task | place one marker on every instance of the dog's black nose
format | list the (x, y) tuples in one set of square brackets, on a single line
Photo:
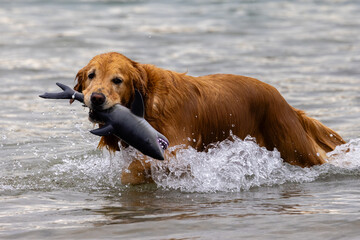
[(97, 99)]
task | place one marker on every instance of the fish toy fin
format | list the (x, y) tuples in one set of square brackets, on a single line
[(103, 131), (137, 106)]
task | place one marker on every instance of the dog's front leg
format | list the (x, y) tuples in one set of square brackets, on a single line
[(137, 172)]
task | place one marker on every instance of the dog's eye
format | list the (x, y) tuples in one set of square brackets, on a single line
[(117, 80), (91, 75)]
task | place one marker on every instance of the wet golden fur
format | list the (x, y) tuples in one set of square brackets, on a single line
[(205, 109)]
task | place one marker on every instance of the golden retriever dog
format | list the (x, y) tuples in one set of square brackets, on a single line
[(198, 111)]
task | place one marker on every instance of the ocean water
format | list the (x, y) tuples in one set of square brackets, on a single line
[(55, 184)]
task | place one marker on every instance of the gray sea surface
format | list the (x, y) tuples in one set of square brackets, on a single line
[(55, 184)]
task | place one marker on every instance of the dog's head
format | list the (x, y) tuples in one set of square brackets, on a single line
[(109, 79)]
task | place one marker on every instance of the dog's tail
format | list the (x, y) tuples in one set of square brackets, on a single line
[(325, 139), (306, 141)]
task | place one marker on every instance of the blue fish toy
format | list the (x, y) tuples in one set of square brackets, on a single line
[(127, 124)]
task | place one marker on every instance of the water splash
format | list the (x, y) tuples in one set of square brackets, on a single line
[(238, 165), (347, 155), (229, 166)]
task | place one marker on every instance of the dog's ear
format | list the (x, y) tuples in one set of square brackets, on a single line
[(80, 81)]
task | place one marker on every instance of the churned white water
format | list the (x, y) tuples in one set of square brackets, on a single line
[(229, 166), (239, 165)]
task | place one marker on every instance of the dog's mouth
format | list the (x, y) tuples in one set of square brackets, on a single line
[(164, 144), (95, 118), (93, 110)]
